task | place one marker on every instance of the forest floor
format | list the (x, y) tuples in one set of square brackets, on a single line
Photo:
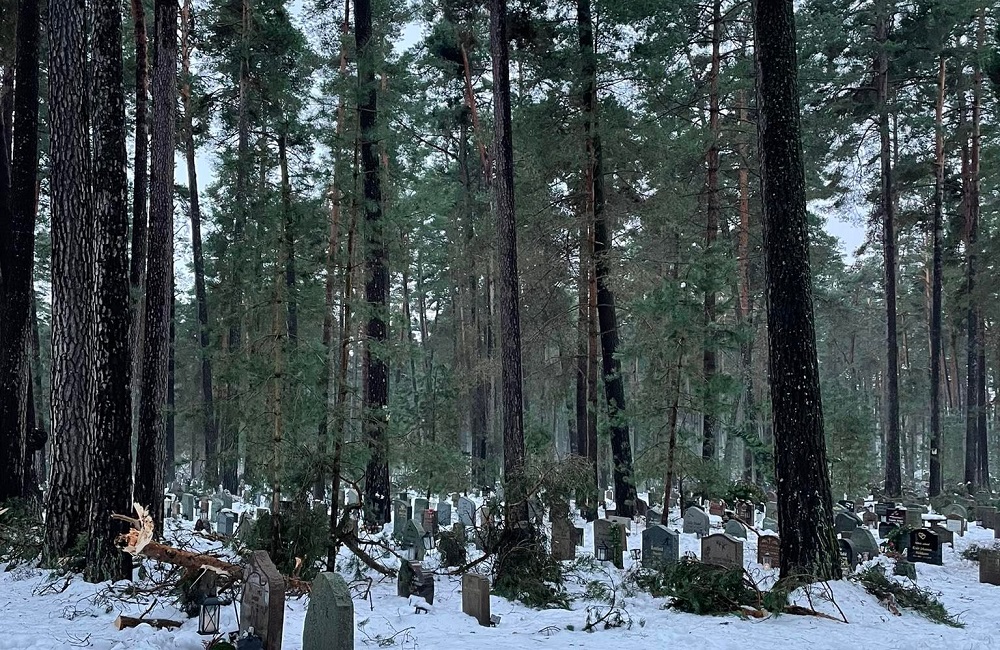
[(38, 611)]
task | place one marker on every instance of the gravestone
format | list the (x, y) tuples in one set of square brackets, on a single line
[(956, 524), (414, 581), (882, 509), (769, 550), (559, 510), (330, 618), (624, 522), (451, 546), (429, 522), (225, 523), (896, 516), (925, 546), (864, 543), (981, 515), (476, 597), (945, 535), (722, 550), (734, 528), (771, 510), (886, 529), (845, 522), (351, 497), (769, 524), (869, 519), (176, 509), (717, 507), (413, 540), (848, 554), (400, 515), (443, 514), (989, 517), (653, 517), (641, 507), (466, 511), (914, 518), (419, 505), (660, 545), (848, 504), (187, 506), (955, 509), (989, 566), (610, 513), (609, 542), (745, 511), (696, 521), (563, 542), (262, 606)]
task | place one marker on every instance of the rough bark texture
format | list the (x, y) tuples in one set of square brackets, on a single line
[(17, 245), (614, 384), (805, 514), (893, 475), (936, 287), (376, 375), (508, 291), (111, 479), (159, 267), (68, 497), (978, 341), (210, 471)]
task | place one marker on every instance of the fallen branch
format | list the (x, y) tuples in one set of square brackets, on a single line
[(123, 622)]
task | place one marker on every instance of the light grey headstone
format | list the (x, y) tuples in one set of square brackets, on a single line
[(660, 545), (769, 524), (466, 511), (329, 621), (262, 605), (624, 522), (476, 597), (696, 521), (351, 497), (722, 550)]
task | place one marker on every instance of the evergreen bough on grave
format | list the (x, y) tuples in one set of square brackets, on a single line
[(923, 601), (20, 533), (304, 534), (699, 588), (971, 552), (527, 572), (744, 491)]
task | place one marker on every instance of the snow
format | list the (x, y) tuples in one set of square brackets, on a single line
[(33, 616)]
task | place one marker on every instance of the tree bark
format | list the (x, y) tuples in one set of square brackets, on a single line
[(614, 386), (805, 513), (936, 286), (210, 470), (111, 479), (508, 283), (159, 268), (376, 375), (17, 248), (982, 441), (68, 497), (291, 305)]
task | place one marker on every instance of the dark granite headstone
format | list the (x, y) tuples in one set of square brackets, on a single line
[(845, 522), (722, 550), (443, 514), (734, 528), (262, 606), (769, 550), (848, 554), (329, 621), (429, 521), (745, 511), (848, 505), (401, 514), (989, 566), (864, 543), (925, 546), (476, 597), (563, 543), (896, 516), (610, 541), (653, 517), (660, 545), (945, 535), (412, 580)]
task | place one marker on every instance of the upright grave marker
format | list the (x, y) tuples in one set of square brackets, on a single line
[(696, 521), (989, 566), (262, 606), (329, 621), (722, 550), (769, 550), (476, 597), (660, 545), (925, 546)]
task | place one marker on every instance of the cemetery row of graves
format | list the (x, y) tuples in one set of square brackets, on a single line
[(451, 537)]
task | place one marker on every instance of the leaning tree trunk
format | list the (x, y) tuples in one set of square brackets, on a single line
[(111, 478), (72, 231), (614, 385), (508, 311), (936, 287), (159, 268), (805, 510), (376, 377), (17, 247), (893, 475)]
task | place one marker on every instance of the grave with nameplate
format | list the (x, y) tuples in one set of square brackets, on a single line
[(722, 550), (429, 522), (476, 597), (896, 516), (262, 605), (466, 511), (989, 566), (745, 512), (956, 524), (769, 550), (609, 542), (401, 514), (771, 510), (696, 521), (660, 545), (848, 554), (735, 529), (329, 623), (716, 507), (925, 546), (443, 513)]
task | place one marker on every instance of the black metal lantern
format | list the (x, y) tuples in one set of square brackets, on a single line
[(428, 540), (208, 622), (602, 553)]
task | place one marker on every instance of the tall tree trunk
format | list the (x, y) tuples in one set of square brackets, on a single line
[(805, 510), (614, 386), (140, 192), (169, 430), (111, 478), (279, 327), (291, 305), (17, 253), (975, 311), (668, 479), (972, 313), (38, 394), (210, 470), (709, 361), (508, 289), (159, 267), (936, 286), (376, 375), (744, 314), (68, 497), (893, 475)]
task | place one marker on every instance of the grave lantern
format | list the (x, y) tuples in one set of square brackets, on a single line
[(428, 540), (636, 554), (602, 552), (208, 622)]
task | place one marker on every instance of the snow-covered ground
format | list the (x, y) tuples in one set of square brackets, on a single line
[(35, 614)]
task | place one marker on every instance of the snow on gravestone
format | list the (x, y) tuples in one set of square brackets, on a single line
[(734, 528), (330, 618), (696, 521), (476, 597), (660, 545), (769, 550), (925, 546), (722, 550), (262, 606)]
